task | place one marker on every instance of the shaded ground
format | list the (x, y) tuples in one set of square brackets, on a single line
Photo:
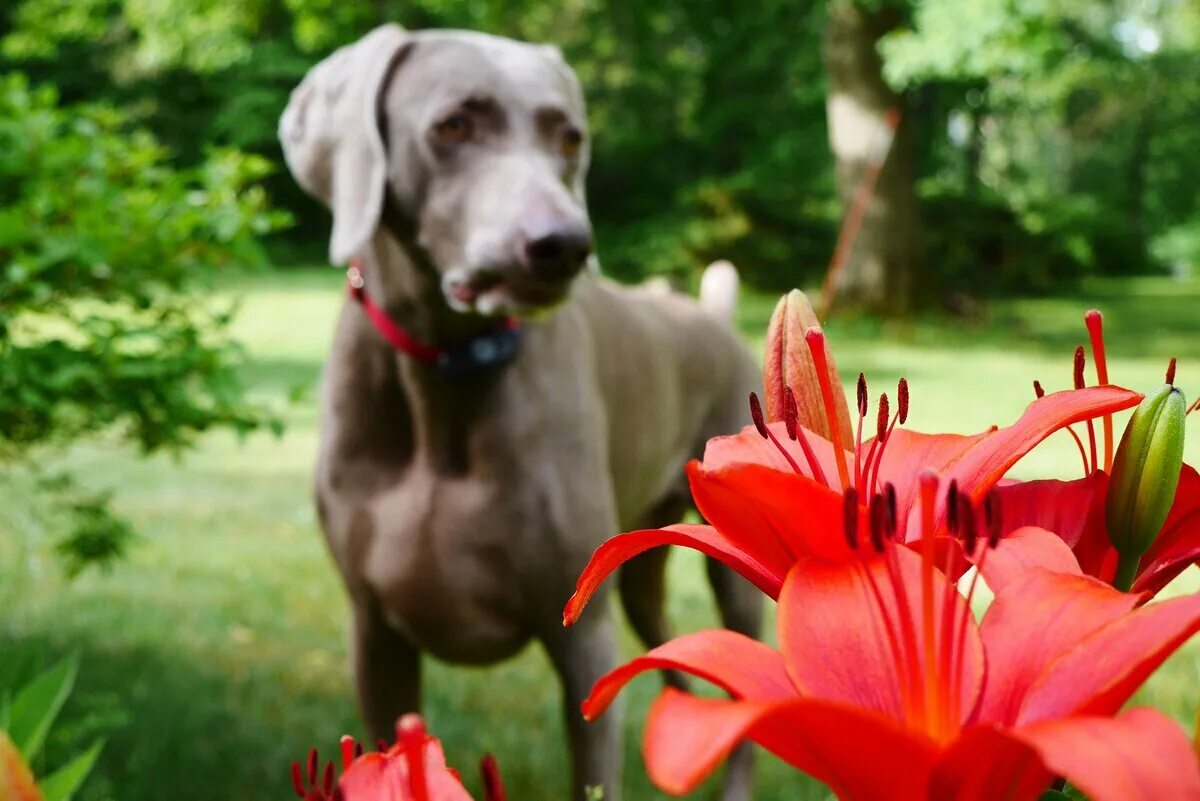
[(217, 653)]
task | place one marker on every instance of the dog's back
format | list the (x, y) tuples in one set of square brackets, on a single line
[(673, 373)]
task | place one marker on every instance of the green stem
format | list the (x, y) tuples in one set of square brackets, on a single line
[(1127, 567)]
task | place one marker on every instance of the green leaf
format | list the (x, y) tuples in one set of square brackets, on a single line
[(35, 706), (62, 784)]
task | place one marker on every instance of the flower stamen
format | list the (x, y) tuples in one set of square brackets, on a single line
[(791, 417), (1080, 383), (410, 734), (756, 414)]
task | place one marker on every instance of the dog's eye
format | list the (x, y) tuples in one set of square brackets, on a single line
[(572, 141), (455, 128)]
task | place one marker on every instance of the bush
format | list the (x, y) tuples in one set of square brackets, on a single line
[(102, 244)]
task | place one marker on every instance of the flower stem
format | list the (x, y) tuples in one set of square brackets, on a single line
[(1127, 566)]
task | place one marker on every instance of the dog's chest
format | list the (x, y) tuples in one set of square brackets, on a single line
[(459, 563)]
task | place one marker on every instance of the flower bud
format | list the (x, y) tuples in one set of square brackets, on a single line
[(788, 362), (1146, 472)]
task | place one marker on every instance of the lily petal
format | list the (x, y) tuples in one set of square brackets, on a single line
[(774, 516), (1034, 620), (836, 622), (386, 777), (1023, 550), (1178, 546), (740, 665), (1107, 666), (16, 780), (977, 463), (623, 547), (1064, 507), (748, 447), (986, 763), (688, 737), (1140, 756)]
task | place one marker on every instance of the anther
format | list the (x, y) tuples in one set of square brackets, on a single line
[(298, 780), (1080, 363), (493, 787), (952, 506), (902, 400), (327, 778), (850, 518), (862, 395), (878, 513), (791, 414), (756, 414), (1171, 372), (992, 515), (881, 419), (1037, 389), (313, 764), (970, 532), (889, 495)]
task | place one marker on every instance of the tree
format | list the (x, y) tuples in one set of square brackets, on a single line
[(882, 267)]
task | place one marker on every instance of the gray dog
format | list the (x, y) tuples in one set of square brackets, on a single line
[(469, 463)]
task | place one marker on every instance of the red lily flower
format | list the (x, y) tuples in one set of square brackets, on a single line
[(414, 769), (885, 687), (1075, 510), (773, 493)]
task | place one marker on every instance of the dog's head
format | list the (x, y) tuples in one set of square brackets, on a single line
[(481, 144)]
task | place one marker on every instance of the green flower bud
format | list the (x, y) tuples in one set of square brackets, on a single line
[(1144, 477)]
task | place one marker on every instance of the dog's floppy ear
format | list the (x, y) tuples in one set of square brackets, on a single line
[(331, 139)]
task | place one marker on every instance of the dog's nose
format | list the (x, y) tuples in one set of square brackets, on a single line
[(559, 253)]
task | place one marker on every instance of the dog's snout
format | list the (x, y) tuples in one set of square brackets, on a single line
[(560, 252)]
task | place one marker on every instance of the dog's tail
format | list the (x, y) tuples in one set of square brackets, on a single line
[(719, 290)]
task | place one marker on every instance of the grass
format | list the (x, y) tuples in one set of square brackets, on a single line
[(217, 653)]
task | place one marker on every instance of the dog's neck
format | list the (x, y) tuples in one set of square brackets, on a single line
[(443, 412)]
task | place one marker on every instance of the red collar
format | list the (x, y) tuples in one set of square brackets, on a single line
[(461, 358)]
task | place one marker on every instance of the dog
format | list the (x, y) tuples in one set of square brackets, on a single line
[(492, 409)]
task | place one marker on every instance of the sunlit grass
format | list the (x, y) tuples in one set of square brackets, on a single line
[(217, 653)]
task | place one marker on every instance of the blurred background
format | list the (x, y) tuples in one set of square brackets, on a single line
[(1001, 166)]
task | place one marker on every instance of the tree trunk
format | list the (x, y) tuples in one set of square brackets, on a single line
[(882, 268)]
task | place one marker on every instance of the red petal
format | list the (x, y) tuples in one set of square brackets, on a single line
[(980, 468), (772, 515), (987, 763), (1140, 756), (385, 777), (979, 462), (906, 453), (1178, 546), (1032, 622), (743, 667), (623, 547), (832, 631), (1106, 667), (1064, 507), (688, 737), (748, 447), (1023, 550)]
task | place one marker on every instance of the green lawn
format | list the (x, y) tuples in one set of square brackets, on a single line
[(217, 653)]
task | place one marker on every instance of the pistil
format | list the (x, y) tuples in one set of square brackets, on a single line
[(815, 338), (1095, 326)]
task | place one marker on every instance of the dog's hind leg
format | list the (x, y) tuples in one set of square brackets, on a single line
[(387, 671), (581, 655)]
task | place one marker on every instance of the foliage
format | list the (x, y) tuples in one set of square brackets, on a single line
[(102, 245), (30, 703)]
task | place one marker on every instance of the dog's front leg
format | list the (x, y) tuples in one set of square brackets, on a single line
[(581, 655), (387, 671)]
